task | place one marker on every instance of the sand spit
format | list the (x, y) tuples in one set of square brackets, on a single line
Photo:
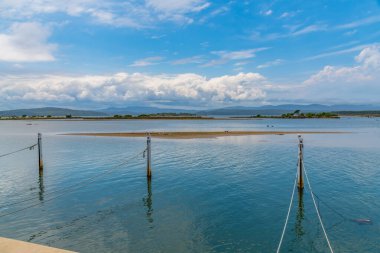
[(194, 135)]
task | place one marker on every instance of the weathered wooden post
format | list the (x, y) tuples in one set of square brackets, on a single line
[(148, 157), (40, 161), (300, 163)]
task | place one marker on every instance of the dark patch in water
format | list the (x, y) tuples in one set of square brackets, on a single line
[(362, 221)]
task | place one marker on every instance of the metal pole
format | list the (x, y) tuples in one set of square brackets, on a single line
[(300, 163), (40, 161), (148, 157)]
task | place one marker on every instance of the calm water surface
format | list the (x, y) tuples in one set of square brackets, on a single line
[(228, 194)]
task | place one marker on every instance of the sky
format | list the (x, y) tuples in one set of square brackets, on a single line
[(188, 53)]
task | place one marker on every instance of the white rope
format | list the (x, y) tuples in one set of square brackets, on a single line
[(316, 208), (13, 152), (287, 217)]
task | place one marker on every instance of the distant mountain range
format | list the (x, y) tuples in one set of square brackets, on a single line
[(137, 110), (226, 111), (286, 108), (53, 111)]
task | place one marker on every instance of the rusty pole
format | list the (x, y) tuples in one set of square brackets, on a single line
[(40, 160)]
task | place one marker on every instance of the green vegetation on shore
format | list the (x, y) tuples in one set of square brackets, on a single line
[(161, 116), (114, 117), (297, 114), (359, 113)]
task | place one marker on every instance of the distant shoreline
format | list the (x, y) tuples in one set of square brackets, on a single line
[(197, 134), (226, 117), (155, 118)]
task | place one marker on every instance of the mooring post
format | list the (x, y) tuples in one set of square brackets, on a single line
[(40, 161), (148, 157), (300, 163)]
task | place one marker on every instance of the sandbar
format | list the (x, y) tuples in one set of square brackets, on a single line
[(199, 134)]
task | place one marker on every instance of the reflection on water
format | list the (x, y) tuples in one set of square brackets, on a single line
[(148, 201), (211, 195), (300, 216), (41, 185)]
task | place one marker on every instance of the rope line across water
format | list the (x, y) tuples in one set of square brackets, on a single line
[(19, 150), (287, 216), (317, 210)]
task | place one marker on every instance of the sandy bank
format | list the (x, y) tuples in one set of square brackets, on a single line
[(15, 246), (193, 135)]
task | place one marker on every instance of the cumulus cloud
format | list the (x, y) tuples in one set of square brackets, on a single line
[(358, 83), (369, 57), (332, 74), (367, 69), (131, 88), (26, 42)]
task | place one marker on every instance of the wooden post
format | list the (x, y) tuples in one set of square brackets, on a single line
[(148, 158), (300, 163), (40, 161)]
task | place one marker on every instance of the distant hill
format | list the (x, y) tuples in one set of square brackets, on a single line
[(271, 110), (53, 111), (137, 110), (268, 110)]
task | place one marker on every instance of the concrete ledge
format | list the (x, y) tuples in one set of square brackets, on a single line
[(14, 246)]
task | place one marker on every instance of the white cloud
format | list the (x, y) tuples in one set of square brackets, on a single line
[(367, 69), (26, 42), (293, 31), (178, 6), (128, 13), (361, 22), (238, 55), (288, 14), (297, 30), (309, 29), (338, 52), (147, 61), (137, 87), (189, 60), (28, 8), (270, 64), (350, 33), (266, 12), (226, 56), (354, 84), (369, 57), (332, 74)]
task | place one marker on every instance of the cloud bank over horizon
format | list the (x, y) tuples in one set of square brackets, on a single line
[(187, 53), (332, 83)]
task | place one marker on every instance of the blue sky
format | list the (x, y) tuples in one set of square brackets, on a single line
[(188, 53)]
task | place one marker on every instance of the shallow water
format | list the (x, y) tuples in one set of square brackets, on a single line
[(227, 194)]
